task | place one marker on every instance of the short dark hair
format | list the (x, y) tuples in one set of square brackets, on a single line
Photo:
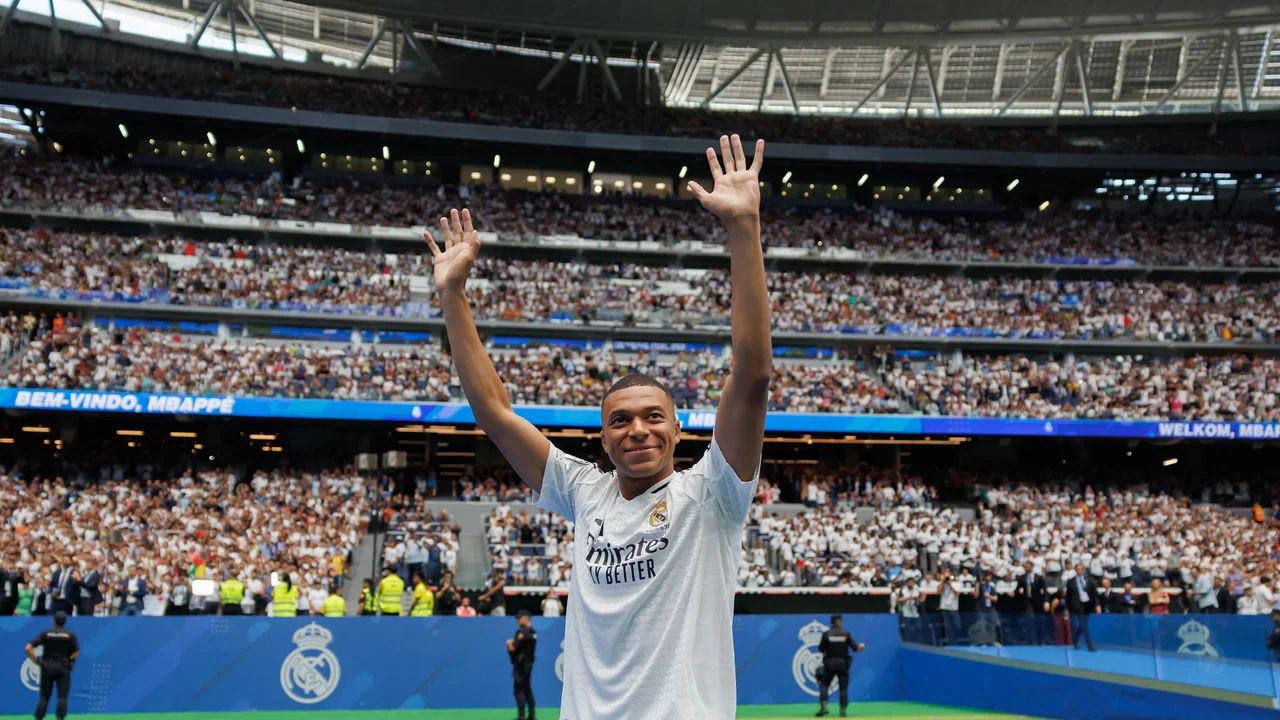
[(637, 380), (59, 619)]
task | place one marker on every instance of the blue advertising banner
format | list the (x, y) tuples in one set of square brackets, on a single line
[(218, 664), (589, 417)]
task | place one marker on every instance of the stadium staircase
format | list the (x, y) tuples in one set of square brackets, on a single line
[(362, 566), (908, 403), (473, 558), (15, 352)]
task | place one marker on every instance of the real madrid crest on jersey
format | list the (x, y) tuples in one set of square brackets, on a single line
[(659, 516), (311, 672), (807, 662), (29, 674)]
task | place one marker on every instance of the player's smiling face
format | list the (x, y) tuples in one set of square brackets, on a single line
[(640, 432)]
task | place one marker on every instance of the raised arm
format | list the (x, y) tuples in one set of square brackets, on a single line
[(520, 442), (735, 199)]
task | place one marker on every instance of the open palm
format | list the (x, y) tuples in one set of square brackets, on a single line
[(461, 243), (736, 192)]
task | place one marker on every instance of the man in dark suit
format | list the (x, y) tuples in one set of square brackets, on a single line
[(135, 591), (1106, 597), (11, 577), (62, 589), (1082, 601), (1226, 598), (1126, 602), (89, 594), (1034, 595)]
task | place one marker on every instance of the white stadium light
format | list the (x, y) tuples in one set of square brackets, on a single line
[(863, 180), (124, 131), (497, 160), (301, 147), (386, 153), (787, 178), (938, 183), (684, 170), (212, 140), (1044, 206), (1170, 461), (1012, 185), (591, 167)]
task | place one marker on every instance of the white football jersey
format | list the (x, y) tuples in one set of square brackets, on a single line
[(649, 631)]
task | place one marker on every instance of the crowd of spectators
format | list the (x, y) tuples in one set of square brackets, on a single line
[(176, 271), (145, 535), (530, 546), (867, 528), (63, 354), (1131, 534), (1056, 237), (272, 88), (1228, 388)]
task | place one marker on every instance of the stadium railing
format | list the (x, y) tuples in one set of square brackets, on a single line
[(1216, 651)]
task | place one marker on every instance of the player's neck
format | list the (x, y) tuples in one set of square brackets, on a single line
[(633, 487)]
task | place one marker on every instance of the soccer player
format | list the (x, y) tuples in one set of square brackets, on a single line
[(649, 629)]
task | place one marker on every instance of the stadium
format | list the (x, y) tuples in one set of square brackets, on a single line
[(994, 312)]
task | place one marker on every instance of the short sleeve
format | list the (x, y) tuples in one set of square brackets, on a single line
[(730, 496), (39, 641), (561, 480)]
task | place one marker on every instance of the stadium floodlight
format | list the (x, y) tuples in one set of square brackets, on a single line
[(212, 140), (301, 147), (1012, 185), (497, 160), (863, 180), (1171, 461), (938, 183), (386, 153), (124, 131), (591, 167), (787, 178), (684, 170), (1044, 206)]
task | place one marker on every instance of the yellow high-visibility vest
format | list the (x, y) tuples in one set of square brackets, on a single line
[(390, 592), (285, 601), (424, 602), (335, 606), (232, 592)]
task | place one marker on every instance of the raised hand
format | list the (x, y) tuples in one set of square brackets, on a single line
[(461, 243), (736, 193)]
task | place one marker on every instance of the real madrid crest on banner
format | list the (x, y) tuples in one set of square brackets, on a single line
[(1195, 641), (807, 662), (311, 672), (984, 633), (30, 672)]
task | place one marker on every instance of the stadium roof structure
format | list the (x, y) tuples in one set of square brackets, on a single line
[(919, 58)]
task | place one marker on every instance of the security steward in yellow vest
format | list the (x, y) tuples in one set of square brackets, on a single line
[(368, 601), (285, 598), (232, 591), (390, 593), (424, 601), (334, 605)]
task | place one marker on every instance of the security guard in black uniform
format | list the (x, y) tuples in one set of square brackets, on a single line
[(835, 646), (60, 652), (521, 648)]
